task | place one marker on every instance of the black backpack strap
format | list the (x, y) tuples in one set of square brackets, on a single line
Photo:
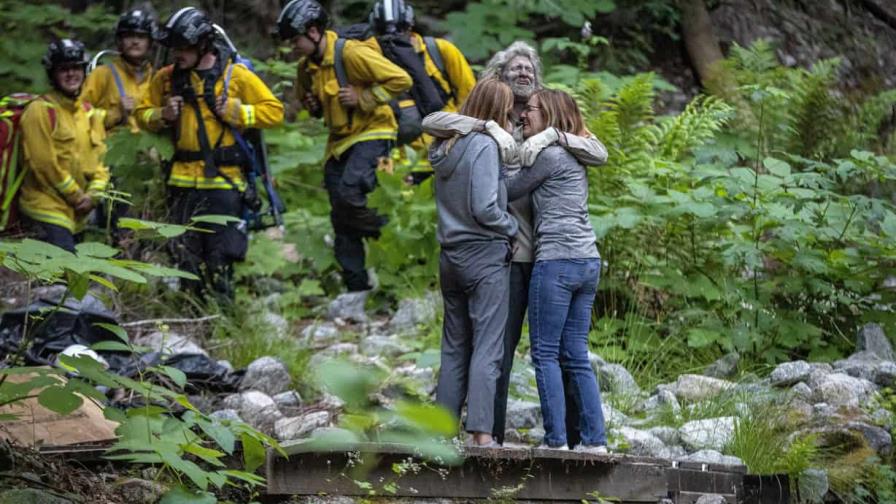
[(432, 47), (339, 63)]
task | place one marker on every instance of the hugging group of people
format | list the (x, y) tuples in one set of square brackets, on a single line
[(512, 196)]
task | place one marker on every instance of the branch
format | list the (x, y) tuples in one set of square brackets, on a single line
[(199, 320)]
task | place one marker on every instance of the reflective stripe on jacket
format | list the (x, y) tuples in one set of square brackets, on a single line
[(259, 109)]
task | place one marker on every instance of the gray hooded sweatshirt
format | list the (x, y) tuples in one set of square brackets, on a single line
[(470, 196)]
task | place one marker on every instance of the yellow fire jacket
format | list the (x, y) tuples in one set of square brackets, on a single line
[(101, 90), (378, 81), (258, 108), (63, 151)]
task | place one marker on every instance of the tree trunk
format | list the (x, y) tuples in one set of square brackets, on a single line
[(704, 51)]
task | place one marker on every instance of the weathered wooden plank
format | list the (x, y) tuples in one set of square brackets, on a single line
[(522, 474)]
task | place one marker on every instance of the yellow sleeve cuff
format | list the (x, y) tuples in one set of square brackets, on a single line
[(380, 93), (97, 186), (248, 115), (67, 186)]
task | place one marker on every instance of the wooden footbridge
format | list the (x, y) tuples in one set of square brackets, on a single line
[(515, 474)]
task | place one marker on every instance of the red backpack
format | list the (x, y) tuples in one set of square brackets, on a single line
[(12, 173)]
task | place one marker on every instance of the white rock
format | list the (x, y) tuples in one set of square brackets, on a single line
[(414, 312), (385, 346), (259, 410), (885, 374), (349, 306), (643, 443), (268, 375), (226, 414), (813, 485), (711, 499), (801, 391), (614, 417), (523, 414), (691, 387), (711, 433), (704, 457), (788, 373), (300, 427), (616, 379), (839, 389), (323, 332), (871, 338), (661, 401), (288, 399), (170, 343)]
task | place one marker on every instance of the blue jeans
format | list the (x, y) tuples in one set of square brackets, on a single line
[(561, 295)]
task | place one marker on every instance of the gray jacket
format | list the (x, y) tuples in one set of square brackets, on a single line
[(559, 187), (588, 151), (470, 196)]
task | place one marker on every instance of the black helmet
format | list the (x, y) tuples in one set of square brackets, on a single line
[(136, 21), (390, 15), (65, 52), (298, 15), (186, 27)]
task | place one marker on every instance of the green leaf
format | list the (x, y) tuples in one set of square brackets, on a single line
[(253, 452), (776, 167), (699, 337), (181, 495), (110, 346), (176, 375), (59, 399), (214, 219), (213, 457), (429, 418), (97, 250), (115, 329), (220, 434)]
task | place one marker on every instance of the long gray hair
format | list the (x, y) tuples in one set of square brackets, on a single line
[(495, 66)]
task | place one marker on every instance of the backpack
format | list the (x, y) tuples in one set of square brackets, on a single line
[(12, 173), (427, 95), (249, 145)]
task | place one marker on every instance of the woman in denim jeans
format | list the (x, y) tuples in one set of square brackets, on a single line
[(565, 275)]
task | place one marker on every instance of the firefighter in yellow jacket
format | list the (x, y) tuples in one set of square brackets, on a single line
[(118, 86), (361, 123), (63, 145), (203, 98), (444, 63)]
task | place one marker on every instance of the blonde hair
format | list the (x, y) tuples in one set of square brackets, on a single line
[(561, 111), (490, 100)]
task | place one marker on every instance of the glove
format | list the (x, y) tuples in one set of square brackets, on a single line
[(230, 109), (533, 146), (506, 144)]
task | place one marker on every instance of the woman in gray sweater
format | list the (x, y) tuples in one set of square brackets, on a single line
[(565, 275), (474, 232)]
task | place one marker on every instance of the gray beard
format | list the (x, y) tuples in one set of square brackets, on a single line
[(523, 91)]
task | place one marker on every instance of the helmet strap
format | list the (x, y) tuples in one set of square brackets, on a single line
[(318, 55)]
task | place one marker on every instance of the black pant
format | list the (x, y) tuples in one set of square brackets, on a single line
[(348, 181), (53, 234), (208, 255), (520, 274)]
